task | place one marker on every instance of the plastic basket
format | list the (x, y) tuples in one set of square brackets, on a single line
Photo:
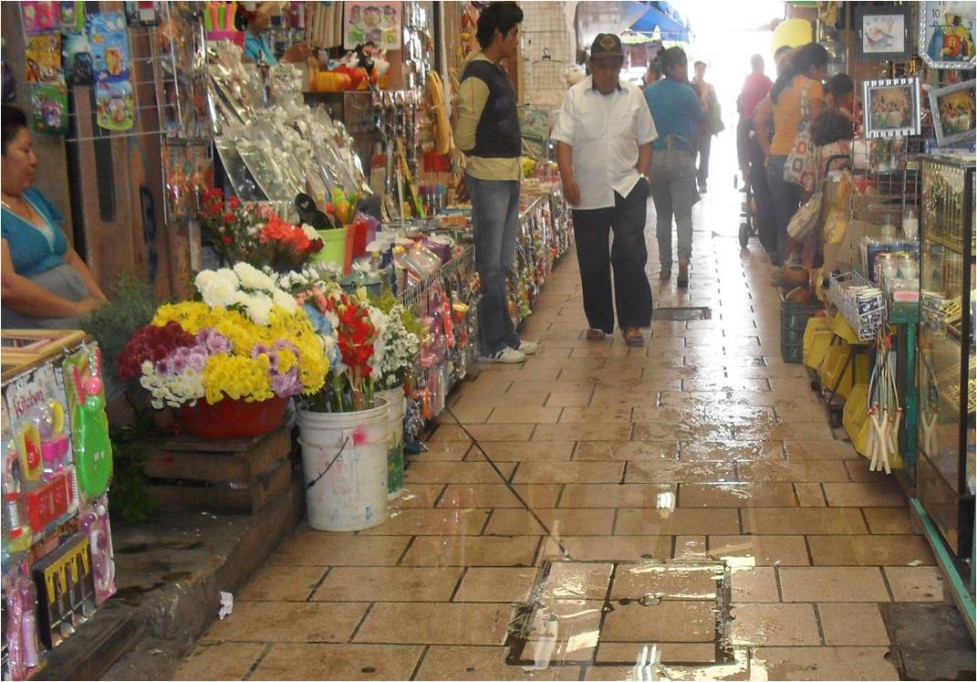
[(793, 323)]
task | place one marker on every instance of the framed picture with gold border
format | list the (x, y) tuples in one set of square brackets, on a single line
[(891, 107)]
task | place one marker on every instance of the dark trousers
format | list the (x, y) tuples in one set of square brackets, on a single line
[(628, 255), (765, 219)]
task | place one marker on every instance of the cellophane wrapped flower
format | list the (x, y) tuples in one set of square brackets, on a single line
[(247, 340), (399, 343), (254, 234)]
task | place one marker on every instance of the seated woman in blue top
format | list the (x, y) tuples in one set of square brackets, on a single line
[(678, 117), (257, 43), (44, 284)]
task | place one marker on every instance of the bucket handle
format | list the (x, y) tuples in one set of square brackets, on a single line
[(333, 461), (329, 466)]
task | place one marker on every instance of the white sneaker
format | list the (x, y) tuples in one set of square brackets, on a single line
[(528, 347), (507, 356)]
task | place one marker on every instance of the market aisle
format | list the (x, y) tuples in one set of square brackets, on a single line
[(618, 488)]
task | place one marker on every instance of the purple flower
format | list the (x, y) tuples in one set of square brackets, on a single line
[(287, 384), (214, 341)]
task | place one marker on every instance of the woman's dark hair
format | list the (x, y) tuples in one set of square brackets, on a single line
[(13, 120), (831, 126), (810, 55), (498, 15), (671, 58), (840, 85)]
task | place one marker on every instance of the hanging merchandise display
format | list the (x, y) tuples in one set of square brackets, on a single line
[(49, 94), (115, 105)]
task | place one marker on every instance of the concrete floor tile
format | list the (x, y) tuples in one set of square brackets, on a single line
[(569, 399), (869, 550), (810, 495), (677, 522), (754, 585), (569, 472), (816, 449), (736, 495), (671, 652), (574, 580), (426, 623), (558, 522), (312, 548), (626, 450), (673, 581), (457, 472), (523, 414), (803, 521), (483, 663), (518, 452), (765, 550), (442, 521), (680, 472), (502, 432), (496, 495), (493, 584), (915, 583), (825, 663), (889, 520), (417, 496), (443, 451), (833, 584), (220, 661), (665, 621), (388, 583), (565, 432), (282, 583), (449, 432), (805, 471), (774, 625), (879, 494), (725, 450), (262, 622), (610, 414), (847, 624), (602, 496), (471, 551), (338, 662), (631, 548)]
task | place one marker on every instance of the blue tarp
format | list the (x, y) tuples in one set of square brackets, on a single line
[(666, 18)]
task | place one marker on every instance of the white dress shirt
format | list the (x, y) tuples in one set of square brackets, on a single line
[(605, 132)]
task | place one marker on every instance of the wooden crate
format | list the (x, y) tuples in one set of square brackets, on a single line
[(234, 476)]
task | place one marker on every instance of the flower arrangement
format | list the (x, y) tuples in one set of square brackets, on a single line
[(247, 339), (400, 341), (255, 234)]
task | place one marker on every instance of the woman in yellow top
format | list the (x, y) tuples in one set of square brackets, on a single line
[(801, 79)]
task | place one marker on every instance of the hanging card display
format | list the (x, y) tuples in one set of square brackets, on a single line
[(78, 65), (43, 58), (110, 46), (49, 109), (89, 425), (373, 22), (72, 17), (114, 106), (41, 17)]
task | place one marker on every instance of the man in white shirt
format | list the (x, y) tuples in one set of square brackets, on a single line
[(604, 133)]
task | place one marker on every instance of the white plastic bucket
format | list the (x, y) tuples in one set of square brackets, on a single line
[(344, 457), (397, 404)]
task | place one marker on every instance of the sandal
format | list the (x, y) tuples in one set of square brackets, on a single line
[(595, 334), (633, 337), (666, 274)]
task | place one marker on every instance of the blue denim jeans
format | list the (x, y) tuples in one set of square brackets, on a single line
[(673, 190), (495, 221), (786, 198)]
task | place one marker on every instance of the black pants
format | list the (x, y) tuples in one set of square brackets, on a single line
[(628, 255), (765, 218)]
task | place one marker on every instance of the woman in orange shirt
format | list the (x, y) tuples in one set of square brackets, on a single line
[(802, 79)]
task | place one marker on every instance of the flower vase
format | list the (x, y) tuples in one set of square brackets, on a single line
[(230, 418), (397, 404), (344, 457)]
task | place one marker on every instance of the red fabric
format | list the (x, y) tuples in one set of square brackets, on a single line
[(755, 87)]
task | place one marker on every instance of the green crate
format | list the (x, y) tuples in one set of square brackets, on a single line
[(793, 322)]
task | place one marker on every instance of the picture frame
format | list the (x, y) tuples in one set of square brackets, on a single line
[(891, 107), (883, 32), (946, 34), (954, 110)]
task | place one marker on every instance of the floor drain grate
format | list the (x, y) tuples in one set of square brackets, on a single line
[(602, 613), (683, 314)]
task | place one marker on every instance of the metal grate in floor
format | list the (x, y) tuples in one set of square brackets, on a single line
[(683, 314)]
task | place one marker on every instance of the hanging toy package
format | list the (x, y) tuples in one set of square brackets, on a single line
[(110, 53), (49, 95), (89, 424)]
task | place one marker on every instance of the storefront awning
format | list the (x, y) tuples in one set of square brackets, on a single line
[(664, 18)]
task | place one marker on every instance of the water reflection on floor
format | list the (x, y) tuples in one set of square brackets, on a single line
[(600, 502)]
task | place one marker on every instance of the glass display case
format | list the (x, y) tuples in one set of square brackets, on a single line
[(946, 362)]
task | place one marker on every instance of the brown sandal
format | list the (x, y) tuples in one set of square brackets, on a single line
[(633, 337), (595, 334)]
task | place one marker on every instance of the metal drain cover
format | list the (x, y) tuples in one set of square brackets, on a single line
[(682, 314)]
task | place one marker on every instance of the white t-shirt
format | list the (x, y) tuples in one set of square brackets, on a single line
[(605, 132)]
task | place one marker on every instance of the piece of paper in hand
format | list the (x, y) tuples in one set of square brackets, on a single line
[(227, 605)]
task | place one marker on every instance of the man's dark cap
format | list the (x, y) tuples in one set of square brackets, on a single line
[(606, 45)]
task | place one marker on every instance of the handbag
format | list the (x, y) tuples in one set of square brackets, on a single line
[(801, 167), (716, 118), (805, 220)]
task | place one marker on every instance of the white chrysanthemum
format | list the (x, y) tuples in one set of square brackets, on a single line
[(284, 301), (258, 308), (217, 288), (252, 278)]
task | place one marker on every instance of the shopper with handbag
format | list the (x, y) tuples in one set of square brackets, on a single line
[(797, 98)]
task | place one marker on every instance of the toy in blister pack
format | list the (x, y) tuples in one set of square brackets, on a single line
[(89, 424), (17, 536), (41, 17), (177, 199), (73, 17), (78, 65), (42, 56), (114, 105), (49, 109), (110, 46), (20, 630), (142, 13), (95, 524)]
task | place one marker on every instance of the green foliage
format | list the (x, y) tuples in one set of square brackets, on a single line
[(131, 305), (129, 499)]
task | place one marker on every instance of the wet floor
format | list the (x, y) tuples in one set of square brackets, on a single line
[(682, 510)]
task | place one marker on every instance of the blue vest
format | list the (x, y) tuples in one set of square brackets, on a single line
[(497, 134)]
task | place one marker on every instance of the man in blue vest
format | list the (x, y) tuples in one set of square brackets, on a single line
[(487, 131)]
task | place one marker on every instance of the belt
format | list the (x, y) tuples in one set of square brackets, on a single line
[(672, 143)]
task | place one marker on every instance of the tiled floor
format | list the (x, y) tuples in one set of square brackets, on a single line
[(688, 494)]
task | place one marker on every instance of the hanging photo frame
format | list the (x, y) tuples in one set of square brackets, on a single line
[(891, 107), (946, 34), (883, 32), (953, 110)]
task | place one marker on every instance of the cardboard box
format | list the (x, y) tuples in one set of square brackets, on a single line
[(845, 254)]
